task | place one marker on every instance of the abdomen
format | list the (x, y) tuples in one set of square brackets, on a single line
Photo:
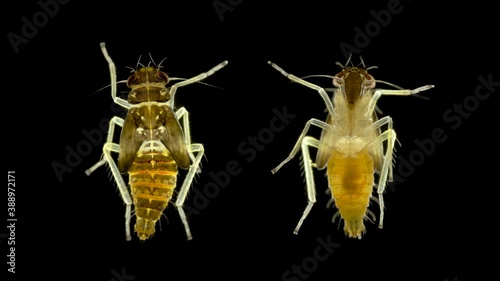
[(152, 179), (351, 182)]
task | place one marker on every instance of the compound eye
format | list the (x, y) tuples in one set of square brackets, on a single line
[(369, 82), (132, 79), (162, 76), (338, 81)]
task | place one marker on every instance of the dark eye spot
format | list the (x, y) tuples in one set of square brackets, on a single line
[(132, 79), (162, 76)]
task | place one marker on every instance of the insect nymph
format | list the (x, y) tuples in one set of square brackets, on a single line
[(351, 146), (153, 145)]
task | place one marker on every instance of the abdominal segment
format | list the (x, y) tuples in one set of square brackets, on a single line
[(152, 181), (351, 182)]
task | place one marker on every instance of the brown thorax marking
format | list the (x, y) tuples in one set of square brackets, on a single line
[(148, 84)]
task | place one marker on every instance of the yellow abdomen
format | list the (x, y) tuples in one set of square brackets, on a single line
[(351, 182), (152, 181)]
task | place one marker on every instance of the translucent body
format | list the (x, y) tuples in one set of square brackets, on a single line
[(352, 147), (347, 147)]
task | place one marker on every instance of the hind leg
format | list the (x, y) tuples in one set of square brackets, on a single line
[(308, 171), (181, 197), (388, 136), (183, 114)]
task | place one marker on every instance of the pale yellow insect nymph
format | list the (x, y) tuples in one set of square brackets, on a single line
[(351, 146)]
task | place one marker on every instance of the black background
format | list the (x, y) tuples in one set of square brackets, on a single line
[(438, 221)]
